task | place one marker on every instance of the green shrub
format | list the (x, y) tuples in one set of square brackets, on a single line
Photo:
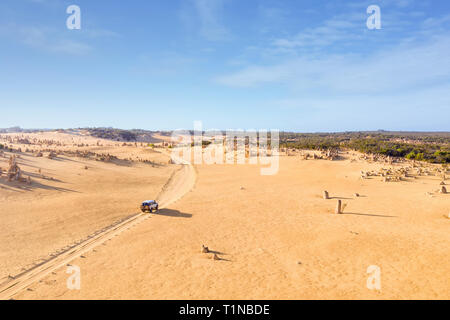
[(420, 157), (411, 155)]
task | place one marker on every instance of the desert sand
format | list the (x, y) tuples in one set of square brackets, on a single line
[(275, 236)]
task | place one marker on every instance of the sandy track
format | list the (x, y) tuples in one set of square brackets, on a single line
[(180, 183)]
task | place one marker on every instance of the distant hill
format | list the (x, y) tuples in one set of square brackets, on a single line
[(19, 129), (135, 135)]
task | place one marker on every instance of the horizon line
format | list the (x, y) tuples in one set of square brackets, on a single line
[(171, 130)]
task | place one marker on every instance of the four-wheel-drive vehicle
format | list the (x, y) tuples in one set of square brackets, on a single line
[(149, 206)]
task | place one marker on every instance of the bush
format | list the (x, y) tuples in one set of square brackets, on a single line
[(442, 156), (420, 157), (411, 155)]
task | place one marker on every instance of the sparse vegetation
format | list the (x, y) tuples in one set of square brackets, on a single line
[(135, 135), (415, 146), (113, 134), (204, 143)]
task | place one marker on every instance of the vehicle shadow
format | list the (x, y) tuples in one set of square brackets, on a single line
[(173, 213)]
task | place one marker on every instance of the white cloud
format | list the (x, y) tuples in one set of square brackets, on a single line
[(209, 12), (337, 29), (45, 39), (401, 68), (308, 61), (56, 41), (206, 16), (436, 23)]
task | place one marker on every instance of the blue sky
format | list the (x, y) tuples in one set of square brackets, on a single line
[(296, 65)]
